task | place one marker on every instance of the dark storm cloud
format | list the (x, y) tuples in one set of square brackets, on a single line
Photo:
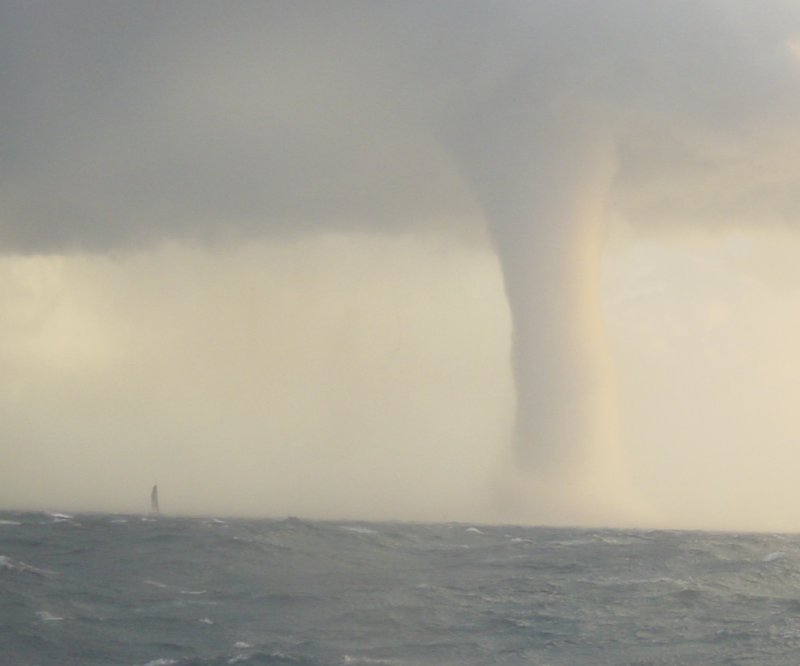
[(124, 123)]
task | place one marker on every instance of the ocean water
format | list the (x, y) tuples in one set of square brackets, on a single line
[(112, 589)]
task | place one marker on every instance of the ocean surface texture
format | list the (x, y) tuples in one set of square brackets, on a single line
[(102, 589)]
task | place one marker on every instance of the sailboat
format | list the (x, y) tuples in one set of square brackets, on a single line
[(154, 500)]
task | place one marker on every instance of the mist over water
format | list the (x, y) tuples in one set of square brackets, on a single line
[(233, 242)]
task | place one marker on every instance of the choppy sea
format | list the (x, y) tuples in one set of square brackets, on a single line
[(113, 589)]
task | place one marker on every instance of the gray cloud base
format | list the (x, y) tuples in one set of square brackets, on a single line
[(127, 123)]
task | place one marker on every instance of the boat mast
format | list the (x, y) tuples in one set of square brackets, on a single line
[(154, 500)]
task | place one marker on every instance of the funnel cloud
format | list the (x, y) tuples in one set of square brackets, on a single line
[(224, 149)]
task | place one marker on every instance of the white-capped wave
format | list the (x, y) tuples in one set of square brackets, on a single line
[(358, 529), (47, 616), (7, 562), (242, 645), (193, 592), (474, 530), (163, 661), (59, 517), (771, 557), (206, 620), (619, 540), (10, 522), (154, 583)]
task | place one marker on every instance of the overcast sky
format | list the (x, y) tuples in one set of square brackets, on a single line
[(271, 254)]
